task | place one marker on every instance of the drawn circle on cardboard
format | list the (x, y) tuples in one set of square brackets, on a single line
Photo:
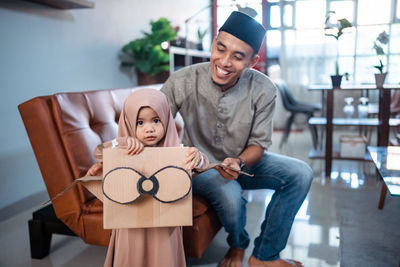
[(168, 177), (149, 190), (124, 185), (120, 185)]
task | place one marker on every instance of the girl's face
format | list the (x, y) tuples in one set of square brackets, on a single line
[(149, 129)]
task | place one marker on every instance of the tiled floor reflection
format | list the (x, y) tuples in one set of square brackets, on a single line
[(314, 238)]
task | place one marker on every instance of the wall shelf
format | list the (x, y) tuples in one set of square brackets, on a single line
[(352, 121), (320, 154), (65, 4), (180, 57)]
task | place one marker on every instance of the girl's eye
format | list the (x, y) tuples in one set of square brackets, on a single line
[(139, 123), (156, 120)]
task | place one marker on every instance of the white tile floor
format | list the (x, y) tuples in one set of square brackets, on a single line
[(314, 238)]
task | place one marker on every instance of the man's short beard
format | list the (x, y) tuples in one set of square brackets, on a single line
[(214, 82), (222, 85)]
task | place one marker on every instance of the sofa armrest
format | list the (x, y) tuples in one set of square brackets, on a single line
[(50, 156)]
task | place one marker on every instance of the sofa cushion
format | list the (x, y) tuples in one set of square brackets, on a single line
[(200, 206)]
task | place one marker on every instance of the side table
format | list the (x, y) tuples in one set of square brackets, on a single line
[(386, 160)]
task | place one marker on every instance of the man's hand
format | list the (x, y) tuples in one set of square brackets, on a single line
[(227, 173), (133, 146)]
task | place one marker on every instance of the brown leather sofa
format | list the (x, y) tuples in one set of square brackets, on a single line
[(64, 130)]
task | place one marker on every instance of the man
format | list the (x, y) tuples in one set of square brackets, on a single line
[(227, 108)]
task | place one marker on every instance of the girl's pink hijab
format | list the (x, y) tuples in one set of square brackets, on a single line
[(159, 103)]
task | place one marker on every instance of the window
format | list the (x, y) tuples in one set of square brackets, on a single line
[(295, 28), (300, 24)]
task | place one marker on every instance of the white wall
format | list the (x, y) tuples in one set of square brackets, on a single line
[(45, 50)]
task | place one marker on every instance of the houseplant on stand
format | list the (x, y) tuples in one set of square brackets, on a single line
[(200, 35), (334, 27), (147, 55), (381, 40)]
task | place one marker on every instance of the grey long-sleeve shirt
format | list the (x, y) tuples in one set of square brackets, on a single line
[(222, 124)]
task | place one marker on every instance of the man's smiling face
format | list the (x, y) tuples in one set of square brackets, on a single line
[(230, 56)]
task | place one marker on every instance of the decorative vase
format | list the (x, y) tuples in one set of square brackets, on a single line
[(362, 108), (336, 80), (380, 79), (348, 109)]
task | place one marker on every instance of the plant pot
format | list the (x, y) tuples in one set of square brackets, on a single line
[(199, 46), (145, 79), (336, 80), (380, 79)]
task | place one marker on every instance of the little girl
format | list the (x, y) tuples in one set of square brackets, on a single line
[(146, 120)]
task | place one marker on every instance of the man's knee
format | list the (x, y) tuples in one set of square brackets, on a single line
[(228, 203), (304, 175), (218, 190)]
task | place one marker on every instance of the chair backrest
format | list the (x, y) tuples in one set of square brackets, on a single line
[(287, 97)]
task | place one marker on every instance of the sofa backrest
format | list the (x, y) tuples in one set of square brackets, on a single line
[(84, 120)]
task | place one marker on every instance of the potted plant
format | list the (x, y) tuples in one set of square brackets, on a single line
[(147, 55), (335, 29), (200, 35), (380, 41)]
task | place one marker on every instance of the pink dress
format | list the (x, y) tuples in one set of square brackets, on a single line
[(146, 247)]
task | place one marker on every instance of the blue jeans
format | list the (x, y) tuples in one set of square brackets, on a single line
[(291, 180)]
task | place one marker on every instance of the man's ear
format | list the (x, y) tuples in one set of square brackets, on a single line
[(254, 61)]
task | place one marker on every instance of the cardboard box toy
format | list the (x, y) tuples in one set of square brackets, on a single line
[(352, 146), (155, 191), (151, 189)]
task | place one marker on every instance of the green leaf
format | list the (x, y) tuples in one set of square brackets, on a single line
[(380, 66), (339, 26), (344, 23), (146, 53)]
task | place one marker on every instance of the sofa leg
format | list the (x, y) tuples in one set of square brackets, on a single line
[(39, 239)]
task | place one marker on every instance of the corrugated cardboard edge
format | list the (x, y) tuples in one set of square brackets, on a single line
[(90, 182)]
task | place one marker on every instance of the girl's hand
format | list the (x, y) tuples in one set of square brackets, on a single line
[(95, 170), (133, 146), (193, 158)]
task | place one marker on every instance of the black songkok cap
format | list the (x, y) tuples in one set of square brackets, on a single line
[(245, 28)]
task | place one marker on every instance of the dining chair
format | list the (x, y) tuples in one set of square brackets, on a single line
[(295, 107)]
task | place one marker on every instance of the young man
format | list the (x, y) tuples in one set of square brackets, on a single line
[(227, 108)]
